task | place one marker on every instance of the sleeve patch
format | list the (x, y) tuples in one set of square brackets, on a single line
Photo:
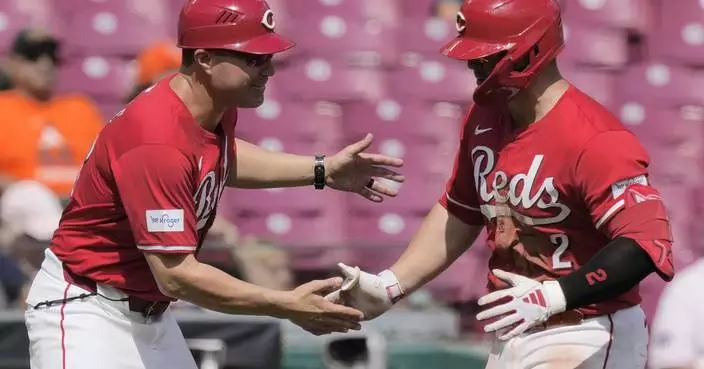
[(166, 220), (617, 189)]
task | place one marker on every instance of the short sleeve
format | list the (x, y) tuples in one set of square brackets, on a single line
[(674, 331), (460, 197), (156, 187), (606, 166)]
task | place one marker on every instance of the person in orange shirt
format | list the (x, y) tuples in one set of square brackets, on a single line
[(42, 136), (154, 62)]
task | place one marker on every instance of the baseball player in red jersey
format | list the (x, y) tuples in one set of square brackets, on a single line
[(147, 195), (563, 191)]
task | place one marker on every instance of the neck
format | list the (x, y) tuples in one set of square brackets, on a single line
[(198, 100), (536, 101), (40, 97)]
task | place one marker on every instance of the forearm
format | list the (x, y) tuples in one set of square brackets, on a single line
[(615, 270), (259, 168), (441, 239), (213, 289)]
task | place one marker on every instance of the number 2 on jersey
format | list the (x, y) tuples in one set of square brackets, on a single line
[(562, 242)]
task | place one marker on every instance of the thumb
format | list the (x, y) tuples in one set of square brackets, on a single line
[(514, 279), (360, 145), (351, 276)]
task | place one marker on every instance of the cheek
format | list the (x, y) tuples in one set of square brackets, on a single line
[(229, 77)]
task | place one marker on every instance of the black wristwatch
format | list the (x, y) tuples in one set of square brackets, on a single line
[(319, 172)]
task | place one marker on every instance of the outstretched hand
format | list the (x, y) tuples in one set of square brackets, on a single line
[(354, 170)]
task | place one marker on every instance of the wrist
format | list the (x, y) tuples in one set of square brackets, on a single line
[(321, 171), (555, 296), (394, 290), (279, 303)]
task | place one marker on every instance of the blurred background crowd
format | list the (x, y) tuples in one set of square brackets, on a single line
[(360, 66)]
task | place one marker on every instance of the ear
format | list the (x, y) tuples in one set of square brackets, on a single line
[(204, 59)]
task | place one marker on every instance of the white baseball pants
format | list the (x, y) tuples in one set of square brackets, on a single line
[(95, 332), (614, 341)]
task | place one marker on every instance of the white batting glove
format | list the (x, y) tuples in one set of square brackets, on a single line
[(531, 303), (371, 294)]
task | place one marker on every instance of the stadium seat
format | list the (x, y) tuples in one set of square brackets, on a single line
[(425, 35), (318, 78), (116, 28), (385, 11), (677, 129), (637, 15), (388, 117), (298, 199), (308, 120), (432, 79), (381, 229), (359, 42), (661, 85), (680, 35), (597, 83), (586, 45), (416, 8), (105, 79), (296, 228), (465, 279), (18, 14)]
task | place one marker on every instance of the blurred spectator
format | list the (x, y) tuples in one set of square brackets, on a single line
[(446, 9), (153, 63), (677, 341), (264, 264), (29, 214), (14, 284), (42, 136)]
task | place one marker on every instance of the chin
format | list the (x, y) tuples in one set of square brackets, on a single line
[(251, 102)]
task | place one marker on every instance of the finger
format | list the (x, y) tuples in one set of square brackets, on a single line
[(338, 324), (320, 286), (343, 312), (493, 297), (379, 187), (386, 173), (514, 279), (504, 322), (370, 195), (379, 159), (514, 332), (360, 145), (495, 311)]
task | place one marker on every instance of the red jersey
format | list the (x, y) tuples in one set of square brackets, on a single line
[(150, 183), (546, 193)]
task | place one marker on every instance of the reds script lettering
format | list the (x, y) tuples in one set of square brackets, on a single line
[(205, 199), (484, 162)]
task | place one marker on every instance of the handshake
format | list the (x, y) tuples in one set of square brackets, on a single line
[(360, 296)]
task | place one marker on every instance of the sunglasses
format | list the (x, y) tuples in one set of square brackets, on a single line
[(34, 51), (252, 60)]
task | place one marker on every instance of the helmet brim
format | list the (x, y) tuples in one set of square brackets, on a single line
[(463, 48), (268, 43)]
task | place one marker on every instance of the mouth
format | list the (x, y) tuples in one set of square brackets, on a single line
[(259, 85)]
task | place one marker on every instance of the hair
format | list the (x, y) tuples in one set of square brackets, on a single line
[(188, 57)]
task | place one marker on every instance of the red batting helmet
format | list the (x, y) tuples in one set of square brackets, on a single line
[(527, 30), (240, 25)]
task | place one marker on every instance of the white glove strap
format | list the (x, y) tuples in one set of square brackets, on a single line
[(391, 285), (555, 297)]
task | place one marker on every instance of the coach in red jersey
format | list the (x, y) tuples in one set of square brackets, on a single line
[(563, 191), (147, 195)]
